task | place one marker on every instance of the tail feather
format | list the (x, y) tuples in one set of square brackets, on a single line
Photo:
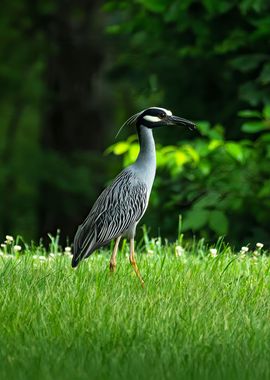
[(80, 255), (75, 261), (84, 245)]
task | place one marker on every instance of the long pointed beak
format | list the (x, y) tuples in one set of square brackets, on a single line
[(175, 120)]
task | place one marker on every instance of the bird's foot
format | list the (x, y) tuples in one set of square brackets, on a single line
[(112, 266), (134, 264)]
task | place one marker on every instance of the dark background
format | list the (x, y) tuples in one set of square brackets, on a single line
[(72, 72)]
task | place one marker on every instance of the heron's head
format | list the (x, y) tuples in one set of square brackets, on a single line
[(154, 117)]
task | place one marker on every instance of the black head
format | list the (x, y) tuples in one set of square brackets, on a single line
[(154, 117)]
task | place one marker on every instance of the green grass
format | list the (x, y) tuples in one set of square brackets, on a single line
[(198, 317)]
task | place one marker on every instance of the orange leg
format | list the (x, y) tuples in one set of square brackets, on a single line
[(133, 262), (113, 257)]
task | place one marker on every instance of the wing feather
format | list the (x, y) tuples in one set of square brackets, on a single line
[(118, 207)]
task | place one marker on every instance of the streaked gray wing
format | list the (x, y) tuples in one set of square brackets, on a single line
[(118, 207)]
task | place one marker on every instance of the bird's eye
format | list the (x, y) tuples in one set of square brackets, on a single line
[(162, 115)]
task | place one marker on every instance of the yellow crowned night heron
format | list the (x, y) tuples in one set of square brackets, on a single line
[(120, 206)]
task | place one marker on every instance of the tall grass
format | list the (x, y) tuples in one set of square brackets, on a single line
[(198, 317)]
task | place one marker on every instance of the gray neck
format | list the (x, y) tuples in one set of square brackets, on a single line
[(147, 153), (146, 160)]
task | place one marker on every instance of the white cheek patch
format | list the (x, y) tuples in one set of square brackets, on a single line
[(154, 119)]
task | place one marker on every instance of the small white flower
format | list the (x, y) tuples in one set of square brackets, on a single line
[(244, 249), (68, 251), (52, 255), (9, 238), (35, 256), (179, 251), (42, 258), (9, 256), (3, 245), (1, 253), (17, 248), (213, 252), (259, 245), (150, 251)]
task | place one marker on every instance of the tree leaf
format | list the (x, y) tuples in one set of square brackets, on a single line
[(218, 222), (203, 127), (208, 200), (120, 148), (253, 127), (247, 62), (265, 190), (264, 77), (192, 153), (265, 137), (157, 6), (235, 150), (266, 111), (249, 114), (214, 144), (195, 219), (181, 158)]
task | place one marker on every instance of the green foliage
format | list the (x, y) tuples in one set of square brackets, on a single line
[(198, 317), (208, 58), (221, 187), (22, 92), (42, 187)]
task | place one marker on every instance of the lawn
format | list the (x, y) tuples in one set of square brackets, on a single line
[(201, 315)]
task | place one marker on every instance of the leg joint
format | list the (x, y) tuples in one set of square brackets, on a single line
[(132, 260)]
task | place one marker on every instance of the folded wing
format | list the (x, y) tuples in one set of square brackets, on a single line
[(118, 207)]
